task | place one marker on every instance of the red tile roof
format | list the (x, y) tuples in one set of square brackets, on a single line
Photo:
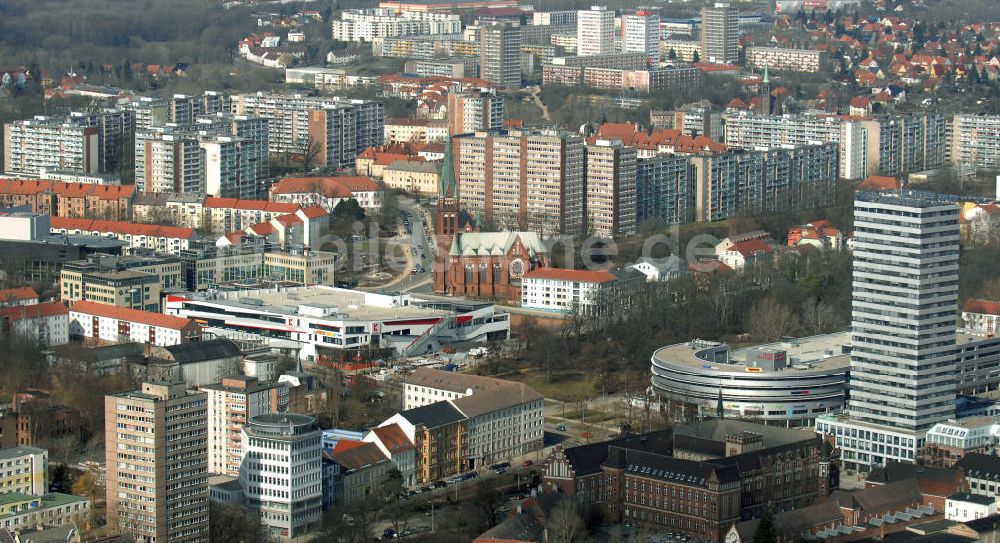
[(988, 307), (118, 227), (66, 190), (579, 276), (288, 219), (330, 187), (258, 205), (35, 311), (131, 315), (750, 247), (393, 438), (879, 182), (15, 294), (313, 212)]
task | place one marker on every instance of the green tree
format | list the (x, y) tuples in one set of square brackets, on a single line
[(766, 531)]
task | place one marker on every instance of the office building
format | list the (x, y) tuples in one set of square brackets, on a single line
[(24, 470), (523, 180), (474, 111), (132, 282), (281, 472), (500, 55), (975, 140), (720, 34), (903, 356), (53, 143), (331, 129), (595, 31), (611, 188), (641, 34), (231, 403), (157, 458)]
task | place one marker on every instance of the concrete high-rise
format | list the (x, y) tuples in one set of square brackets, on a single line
[(720, 34), (641, 34), (50, 143), (903, 311), (523, 179), (500, 54), (157, 457), (281, 473), (611, 188), (231, 403), (595, 31), (473, 111), (903, 327)]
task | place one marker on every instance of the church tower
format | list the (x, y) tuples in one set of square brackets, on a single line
[(765, 95), (445, 217)]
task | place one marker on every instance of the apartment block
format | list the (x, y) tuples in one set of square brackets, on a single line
[(664, 189), (398, 130), (231, 403), (475, 111), (332, 129), (579, 291), (78, 200), (780, 58), (52, 143), (763, 181), (611, 188), (975, 140), (641, 34), (898, 145), (44, 324), (281, 472), (523, 180), (595, 31), (137, 237), (115, 131), (169, 160), (115, 324), (156, 453), (24, 470), (720, 34), (750, 131), (364, 25), (500, 55)]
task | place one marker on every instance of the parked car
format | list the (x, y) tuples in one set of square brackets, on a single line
[(527, 464), (389, 533), (561, 427)]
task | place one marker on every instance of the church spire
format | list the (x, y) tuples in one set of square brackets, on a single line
[(720, 411), (766, 81), (448, 188)]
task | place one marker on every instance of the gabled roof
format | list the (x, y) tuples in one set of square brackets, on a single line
[(750, 247), (491, 401), (36, 311), (199, 351), (393, 438), (495, 243), (578, 276), (434, 415), (121, 228), (17, 294), (973, 305), (357, 455), (131, 315), (330, 187)]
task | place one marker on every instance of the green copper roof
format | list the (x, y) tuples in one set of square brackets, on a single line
[(448, 185), (765, 74)]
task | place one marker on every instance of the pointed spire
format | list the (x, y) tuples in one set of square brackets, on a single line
[(448, 187), (720, 411), (766, 81)]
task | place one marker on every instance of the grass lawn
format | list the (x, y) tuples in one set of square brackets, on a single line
[(565, 386)]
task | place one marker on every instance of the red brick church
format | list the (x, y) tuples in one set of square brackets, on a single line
[(479, 264)]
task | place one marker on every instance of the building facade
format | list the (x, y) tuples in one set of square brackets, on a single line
[(46, 142), (779, 58), (24, 470), (500, 55), (595, 31), (115, 324), (720, 34), (641, 34), (157, 458), (281, 472), (231, 403), (611, 189), (489, 265)]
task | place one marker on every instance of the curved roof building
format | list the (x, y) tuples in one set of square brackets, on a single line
[(788, 383)]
